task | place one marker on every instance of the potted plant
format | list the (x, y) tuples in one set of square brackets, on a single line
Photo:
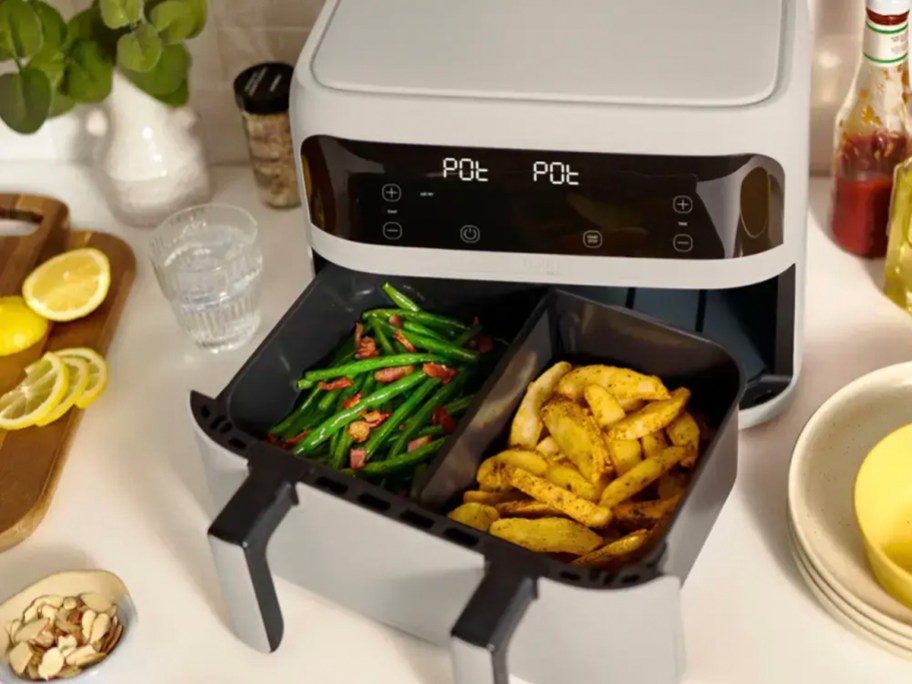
[(129, 56)]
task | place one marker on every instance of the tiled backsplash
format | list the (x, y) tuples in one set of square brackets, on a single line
[(239, 33)]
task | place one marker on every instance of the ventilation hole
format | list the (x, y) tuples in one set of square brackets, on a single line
[(460, 537), (217, 422), (570, 576), (237, 443), (374, 502), (226, 427), (630, 579), (331, 485), (417, 520), (205, 412)]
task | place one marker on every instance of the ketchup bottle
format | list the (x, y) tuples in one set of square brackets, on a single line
[(873, 132)]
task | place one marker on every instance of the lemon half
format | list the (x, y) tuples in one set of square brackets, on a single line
[(20, 327), (70, 285)]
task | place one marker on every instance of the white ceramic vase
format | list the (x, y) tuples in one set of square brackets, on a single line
[(148, 160)]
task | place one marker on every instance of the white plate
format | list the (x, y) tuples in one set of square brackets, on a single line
[(865, 622), (824, 463), (842, 617)]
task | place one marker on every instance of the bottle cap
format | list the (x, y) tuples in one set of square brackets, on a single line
[(264, 88), (889, 8)]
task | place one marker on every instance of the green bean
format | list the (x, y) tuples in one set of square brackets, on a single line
[(329, 399), (380, 434), (335, 448), (340, 451), (282, 428), (424, 330), (400, 463), (399, 299), (434, 344), (381, 337), (459, 405), (350, 370), (467, 336), (420, 417), (430, 431), (433, 320), (343, 418)]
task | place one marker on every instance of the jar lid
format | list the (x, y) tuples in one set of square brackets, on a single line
[(264, 88), (889, 8)]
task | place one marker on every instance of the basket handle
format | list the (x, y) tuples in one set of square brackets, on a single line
[(481, 636), (238, 539)]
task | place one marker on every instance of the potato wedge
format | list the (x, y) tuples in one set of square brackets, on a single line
[(475, 515), (631, 405), (621, 382), (655, 443), (527, 424), (673, 483), (684, 431), (492, 498), (490, 472), (527, 509), (549, 448), (642, 514), (605, 408), (569, 478), (547, 535), (578, 437), (652, 417), (641, 476), (569, 504), (624, 454), (612, 551)]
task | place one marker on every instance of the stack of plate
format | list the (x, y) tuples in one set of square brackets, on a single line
[(824, 535)]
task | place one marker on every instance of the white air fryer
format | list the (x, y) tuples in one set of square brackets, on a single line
[(654, 153)]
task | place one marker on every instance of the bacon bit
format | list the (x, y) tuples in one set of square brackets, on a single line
[(375, 417), (359, 430), (485, 343), (386, 375), (359, 330), (403, 340), (272, 439), (395, 321), (351, 401), (438, 370), (367, 348), (357, 457), (294, 440), (442, 418), (339, 383), (417, 443)]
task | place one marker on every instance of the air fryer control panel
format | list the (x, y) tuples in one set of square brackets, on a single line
[(533, 201)]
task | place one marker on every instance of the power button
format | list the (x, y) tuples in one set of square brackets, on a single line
[(470, 234)]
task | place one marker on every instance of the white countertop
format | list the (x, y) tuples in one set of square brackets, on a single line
[(130, 497)]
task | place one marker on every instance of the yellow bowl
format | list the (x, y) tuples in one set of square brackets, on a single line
[(883, 509)]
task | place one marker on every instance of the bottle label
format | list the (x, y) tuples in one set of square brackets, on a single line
[(886, 45)]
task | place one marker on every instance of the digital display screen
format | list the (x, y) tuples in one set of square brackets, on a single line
[(524, 201)]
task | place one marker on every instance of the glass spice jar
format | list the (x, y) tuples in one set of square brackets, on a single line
[(262, 93)]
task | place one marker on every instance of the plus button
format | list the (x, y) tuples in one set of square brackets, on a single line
[(391, 192), (682, 204)]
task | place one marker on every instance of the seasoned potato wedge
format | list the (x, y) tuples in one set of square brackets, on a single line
[(655, 443), (475, 515), (621, 382), (491, 498), (683, 431), (605, 408), (569, 478), (652, 417), (547, 535), (527, 424), (569, 504), (631, 405), (625, 454), (490, 473), (527, 509), (642, 514), (673, 483), (612, 551), (641, 476), (578, 437)]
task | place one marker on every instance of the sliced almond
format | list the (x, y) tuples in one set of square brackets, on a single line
[(88, 619), (81, 656), (45, 639), (113, 637), (32, 671), (30, 630), (47, 611), (31, 614), (13, 627), (68, 671), (97, 602), (51, 664), (70, 603), (67, 641), (99, 628), (49, 600), (20, 657)]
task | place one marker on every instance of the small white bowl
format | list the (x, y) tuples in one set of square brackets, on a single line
[(69, 584)]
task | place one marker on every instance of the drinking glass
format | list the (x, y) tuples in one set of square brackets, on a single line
[(209, 265)]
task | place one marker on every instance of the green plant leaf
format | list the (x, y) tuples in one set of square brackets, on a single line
[(87, 25), (140, 49), (52, 64), (25, 99), (20, 29), (60, 104), (167, 76), (53, 27), (200, 8), (174, 19), (178, 98), (88, 73), (120, 13)]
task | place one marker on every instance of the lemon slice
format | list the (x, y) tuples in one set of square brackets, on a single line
[(69, 286), (20, 327), (78, 377), (45, 384), (98, 373)]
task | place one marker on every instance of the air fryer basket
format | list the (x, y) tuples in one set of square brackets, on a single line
[(544, 327)]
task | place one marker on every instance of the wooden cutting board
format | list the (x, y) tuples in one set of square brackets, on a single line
[(32, 460)]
